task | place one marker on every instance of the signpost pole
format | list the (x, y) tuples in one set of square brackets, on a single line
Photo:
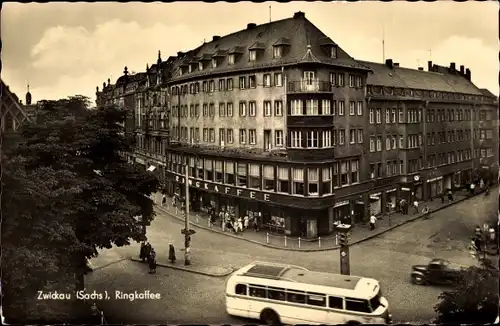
[(187, 236), (345, 266)]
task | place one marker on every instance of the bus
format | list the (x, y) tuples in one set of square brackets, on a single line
[(287, 294)]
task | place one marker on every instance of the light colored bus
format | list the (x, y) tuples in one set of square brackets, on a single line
[(287, 294)]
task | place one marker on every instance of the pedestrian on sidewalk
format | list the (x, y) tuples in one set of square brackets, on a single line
[(254, 224), (450, 193), (163, 200), (152, 262), (472, 186), (171, 253), (373, 219), (415, 206), (425, 211), (142, 252), (442, 198), (240, 224), (245, 221)]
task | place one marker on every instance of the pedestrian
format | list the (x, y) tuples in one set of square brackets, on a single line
[(425, 211), (142, 252), (152, 262), (147, 250), (254, 224), (450, 194), (240, 224), (472, 186), (96, 314), (442, 198), (163, 199), (373, 219), (401, 206), (415, 206), (477, 231), (171, 253), (245, 221)]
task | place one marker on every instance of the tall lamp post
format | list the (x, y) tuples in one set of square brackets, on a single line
[(187, 232)]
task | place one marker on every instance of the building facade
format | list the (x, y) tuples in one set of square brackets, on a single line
[(278, 121)]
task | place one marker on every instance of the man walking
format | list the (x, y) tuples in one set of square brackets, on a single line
[(415, 206), (373, 219)]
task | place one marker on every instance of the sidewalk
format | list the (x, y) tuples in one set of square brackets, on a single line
[(207, 270), (360, 232)]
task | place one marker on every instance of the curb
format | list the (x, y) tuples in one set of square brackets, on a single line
[(230, 270), (106, 265), (319, 249)]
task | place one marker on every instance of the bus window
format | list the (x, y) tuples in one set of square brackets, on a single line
[(241, 289), (316, 299), (296, 297), (257, 292), (276, 293), (335, 302), (357, 305)]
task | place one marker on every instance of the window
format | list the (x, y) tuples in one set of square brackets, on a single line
[(394, 145), (401, 142), (325, 107), (267, 80), (387, 116), (229, 84), (253, 55), (341, 136), (243, 136), (341, 108), (379, 143), (242, 174), (222, 84), (333, 52), (278, 108), (387, 143), (222, 109), (359, 81), (283, 182), (298, 181), (296, 297), (230, 59), (312, 107), (211, 85), (360, 136), (379, 115), (360, 107), (327, 138), (313, 182), (357, 305), (214, 63), (352, 81), (211, 110), (252, 136), (229, 109), (334, 107), (335, 175), (326, 185), (344, 173), (278, 79), (295, 139), (243, 109), (352, 108), (335, 303), (200, 65), (341, 80), (222, 138), (212, 135), (205, 135), (312, 139), (393, 115), (333, 78), (243, 82), (230, 136), (372, 116), (252, 109), (267, 108), (268, 174), (257, 291), (401, 116), (296, 107), (229, 173), (205, 110), (254, 176), (252, 83), (278, 138), (276, 293), (316, 299), (354, 171), (240, 289), (352, 136)]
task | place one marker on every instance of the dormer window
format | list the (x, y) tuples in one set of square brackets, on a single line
[(253, 55), (200, 65), (190, 69), (333, 52), (214, 63), (278, 52), (231, 59)]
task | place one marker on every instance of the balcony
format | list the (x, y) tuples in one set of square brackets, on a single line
[(309, 86)]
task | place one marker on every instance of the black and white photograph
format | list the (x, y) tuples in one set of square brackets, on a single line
[(275, 163)]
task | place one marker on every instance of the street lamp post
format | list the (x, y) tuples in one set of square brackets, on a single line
[(344, 233), (187, 235)]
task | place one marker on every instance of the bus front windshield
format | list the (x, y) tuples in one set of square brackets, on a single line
[(375, 302)]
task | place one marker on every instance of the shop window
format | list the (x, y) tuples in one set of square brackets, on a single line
[(298, 181), (344, 173), (219, 176), (192, 168), (313, 182), (283, 180), (240, 289), (269, 178), (354, 171), (335, 175), (326, 185), (199, 165), (229, 173), (242, 174), (209, 174), (254, 176)]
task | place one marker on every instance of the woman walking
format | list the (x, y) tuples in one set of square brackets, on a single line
[(152, 262)]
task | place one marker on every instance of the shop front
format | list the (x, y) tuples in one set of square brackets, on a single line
[(406, 193), (435, 187), (391, 200), (376, 204), (418, 190), (342, 212), (447, 182), (457, 180)]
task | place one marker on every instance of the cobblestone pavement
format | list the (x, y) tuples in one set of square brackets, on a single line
[(191, 298)]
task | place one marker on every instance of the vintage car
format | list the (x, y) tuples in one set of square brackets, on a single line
[(438, 271)]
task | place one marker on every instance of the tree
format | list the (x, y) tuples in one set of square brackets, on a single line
[(474, 300), (67, 191)]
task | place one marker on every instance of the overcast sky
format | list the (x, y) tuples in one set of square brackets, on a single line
[(65, 49)]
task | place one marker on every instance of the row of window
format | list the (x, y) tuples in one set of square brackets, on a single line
[(271, 178), (227, 109), (415, 115), (305, 298), (324, 107), (324, 138)]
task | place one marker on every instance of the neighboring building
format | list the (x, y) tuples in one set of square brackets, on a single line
[(278, 121), (12, 110)]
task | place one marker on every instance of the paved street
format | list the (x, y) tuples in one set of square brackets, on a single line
[(387, 258)]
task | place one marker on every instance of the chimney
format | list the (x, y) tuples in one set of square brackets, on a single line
[(299, 14), (453, 67), (396, 64), (215, 38), (388, 63), (429, 65), (467, 73), (251, 25), (462, 69), (421, 68)]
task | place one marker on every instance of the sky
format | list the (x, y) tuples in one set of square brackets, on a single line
[(66, 49)]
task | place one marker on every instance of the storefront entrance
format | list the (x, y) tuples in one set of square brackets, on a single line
[(376, 204), (391, 197)]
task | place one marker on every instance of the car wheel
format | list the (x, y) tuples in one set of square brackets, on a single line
[(417, 279), (269, 317)]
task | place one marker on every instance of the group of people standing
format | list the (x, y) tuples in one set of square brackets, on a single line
[(229, 222), (148, 253)]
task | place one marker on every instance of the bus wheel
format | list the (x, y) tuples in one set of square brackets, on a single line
[(353, 322), (269, 317)]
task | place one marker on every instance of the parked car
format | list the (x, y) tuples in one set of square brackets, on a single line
[(438, 271)]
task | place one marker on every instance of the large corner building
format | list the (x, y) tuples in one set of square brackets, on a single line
[(278, 121)]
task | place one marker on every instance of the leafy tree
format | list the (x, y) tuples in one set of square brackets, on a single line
[(67, 191), (474, 299)]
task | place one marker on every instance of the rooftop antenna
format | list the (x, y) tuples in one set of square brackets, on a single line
[(383, 42), (269, 13)]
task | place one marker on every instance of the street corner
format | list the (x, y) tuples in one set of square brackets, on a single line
[(206, 270)]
